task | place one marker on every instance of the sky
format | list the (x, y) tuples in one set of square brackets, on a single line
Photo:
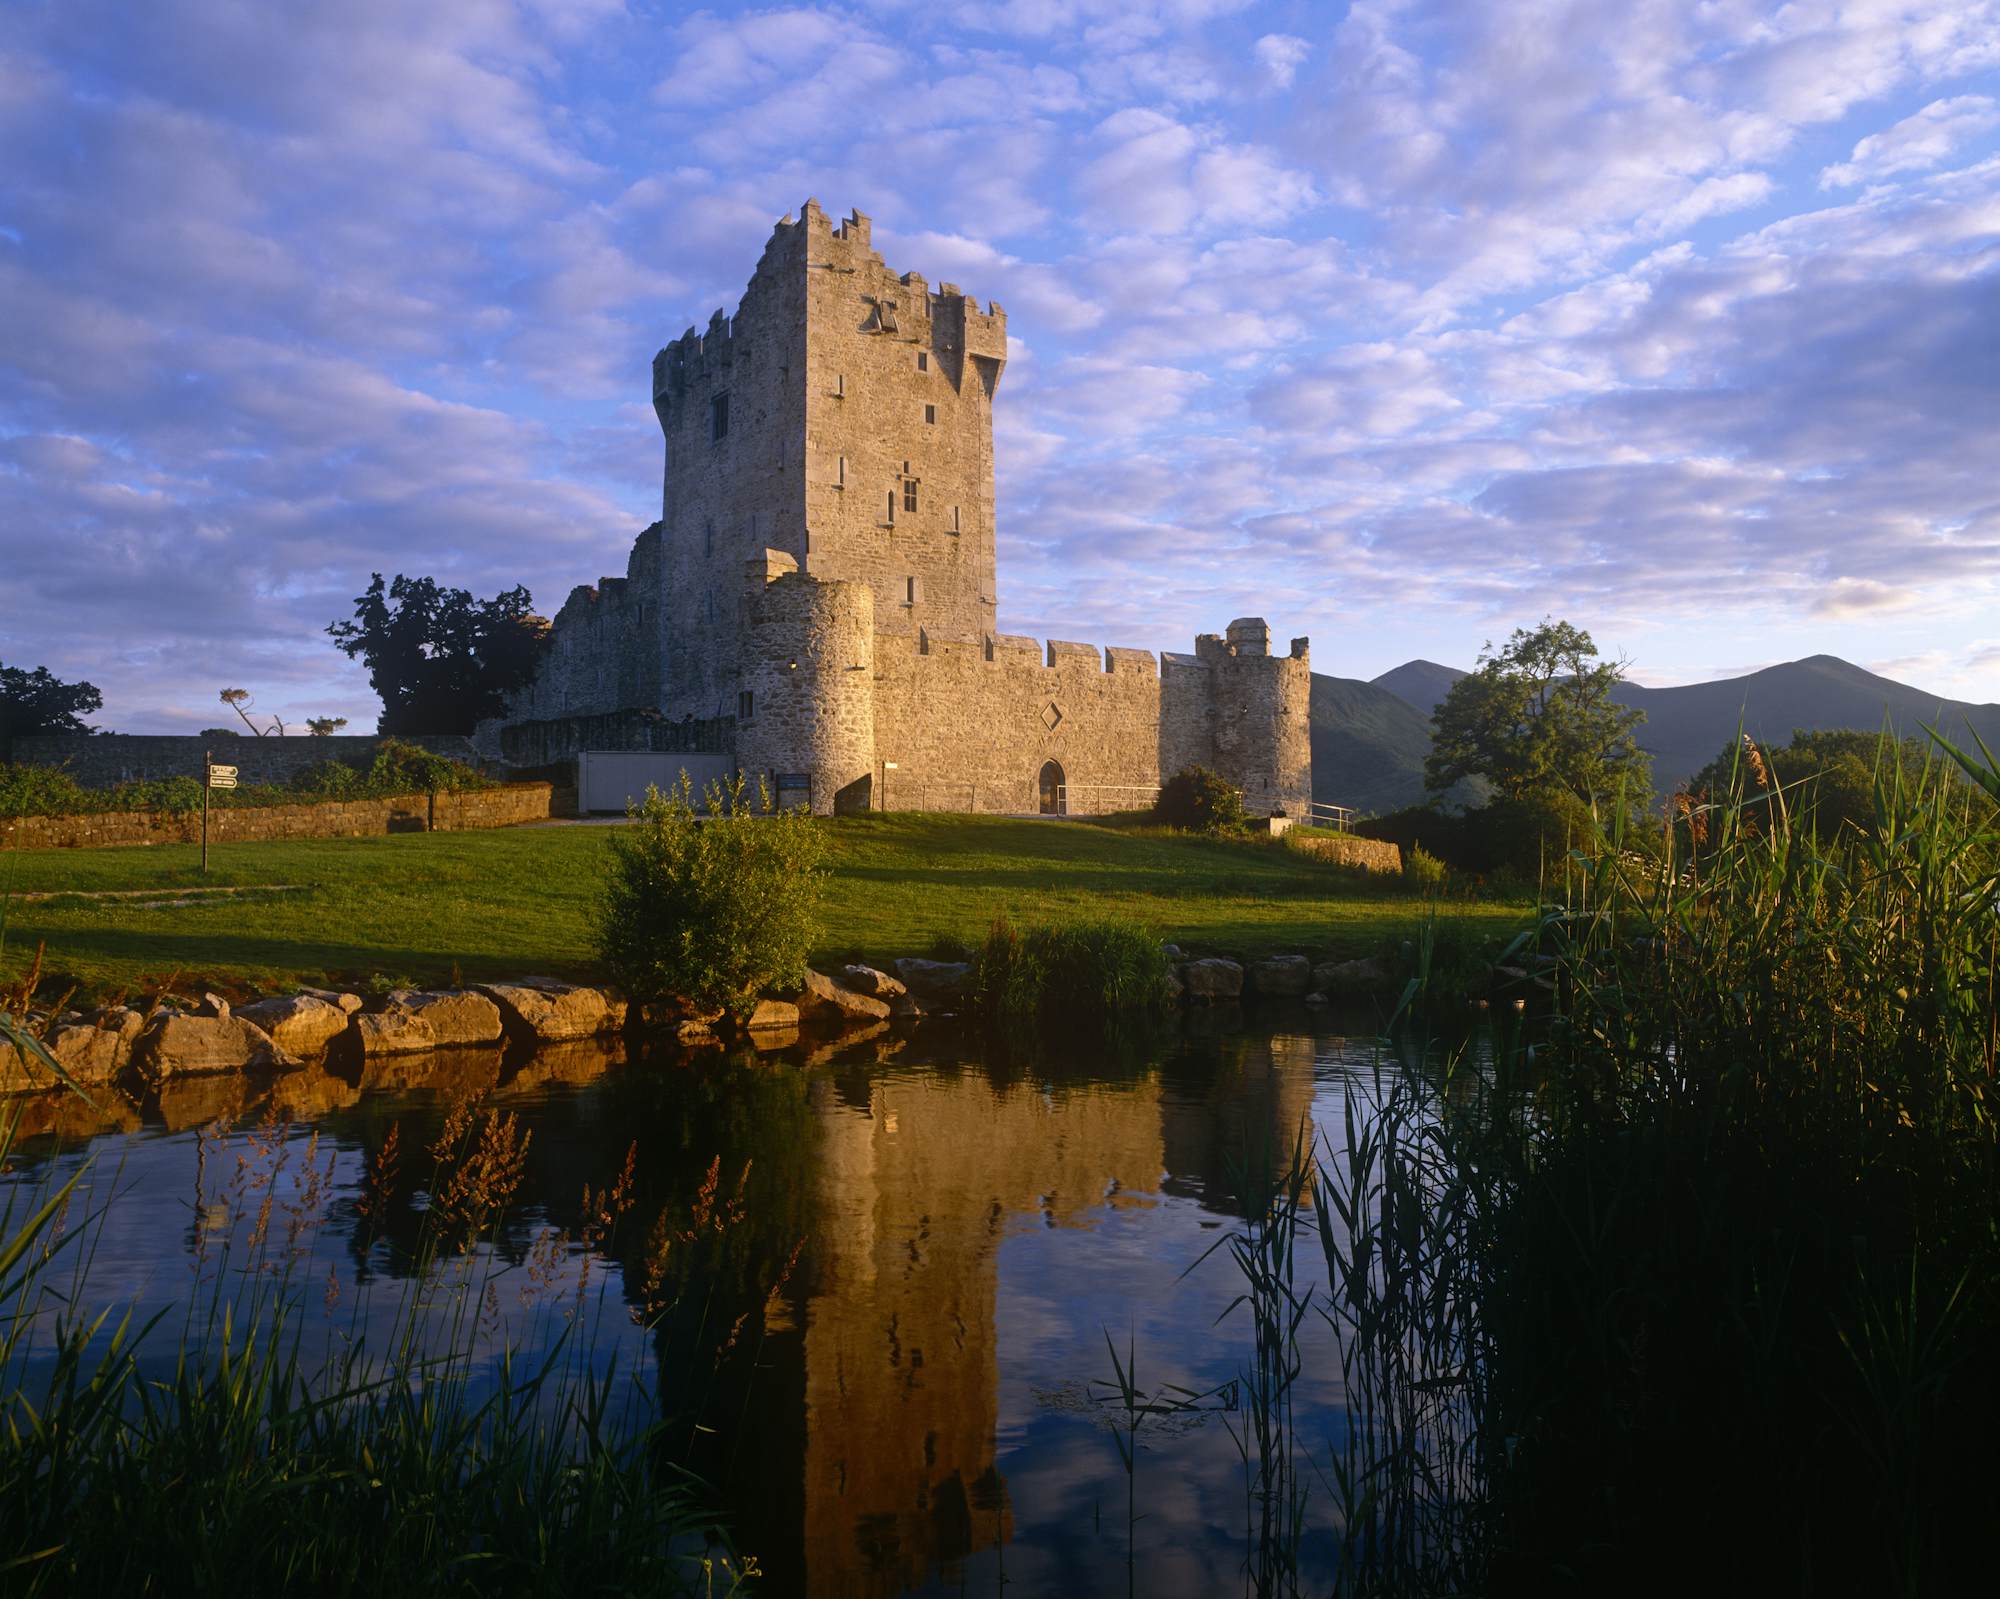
[(1400, 324)]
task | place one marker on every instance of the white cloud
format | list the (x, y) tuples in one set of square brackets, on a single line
[(1280, 55), (1917, 143)]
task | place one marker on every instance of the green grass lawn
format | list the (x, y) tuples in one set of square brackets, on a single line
[(516, 901)]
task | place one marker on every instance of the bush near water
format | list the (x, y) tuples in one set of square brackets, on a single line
[(710, 910)]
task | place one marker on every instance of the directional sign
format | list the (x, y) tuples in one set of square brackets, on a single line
[(222, 777)]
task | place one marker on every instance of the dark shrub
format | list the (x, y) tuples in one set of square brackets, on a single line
[(1198, 800)]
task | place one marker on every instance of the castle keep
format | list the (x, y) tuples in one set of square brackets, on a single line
[(817, 603)]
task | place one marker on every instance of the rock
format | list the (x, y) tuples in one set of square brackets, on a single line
[(772, 1013), (457, 1016), (91, 1054), (1286, 976), (1369, 976), (553, 1010), (126, 1022), (1318, 1000), (692, 1030), (867, 980), (906, 1006), (1212, 979), (1173, 952), (302, 1024), (822, 993), (176, 1045), (333, 996), (394, 1032), (1176, 989), (935, 982), (212, 1005)]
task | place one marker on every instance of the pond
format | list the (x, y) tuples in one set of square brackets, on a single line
[(884, 1289)]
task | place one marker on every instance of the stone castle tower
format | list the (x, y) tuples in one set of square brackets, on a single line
[(817, 603)]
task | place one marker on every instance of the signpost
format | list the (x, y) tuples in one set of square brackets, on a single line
[(212, 776)]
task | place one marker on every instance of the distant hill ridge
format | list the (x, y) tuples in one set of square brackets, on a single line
[(1369, 739)]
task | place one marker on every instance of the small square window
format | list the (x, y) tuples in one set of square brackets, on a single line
[(743, 704), (930, 413), (718, 417), (923, 361), (909, 494)]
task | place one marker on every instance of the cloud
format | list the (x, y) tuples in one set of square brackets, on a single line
[(1160, 176), (1280, 55), (1849, 597), (1917, 143)]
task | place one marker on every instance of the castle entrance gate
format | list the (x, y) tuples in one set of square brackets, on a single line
[(1052, 790)]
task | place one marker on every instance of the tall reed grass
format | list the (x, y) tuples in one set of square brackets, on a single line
[(1692, 1278)]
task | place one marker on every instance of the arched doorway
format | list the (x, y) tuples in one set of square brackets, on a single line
[(1052, 789)]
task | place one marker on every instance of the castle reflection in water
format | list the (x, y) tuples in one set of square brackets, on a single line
[(855, 1419)]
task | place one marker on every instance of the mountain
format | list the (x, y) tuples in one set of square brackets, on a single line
[(1420, 683), (1687, 727), (1368, 746), (1369, 739)]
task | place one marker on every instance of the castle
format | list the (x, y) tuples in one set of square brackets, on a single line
[(817, 604)]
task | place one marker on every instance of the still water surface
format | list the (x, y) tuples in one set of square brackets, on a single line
[(882, 1333)]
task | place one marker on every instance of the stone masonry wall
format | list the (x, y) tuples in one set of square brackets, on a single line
[(969, 726), (104, 760), (1370, 854), (505, 806)]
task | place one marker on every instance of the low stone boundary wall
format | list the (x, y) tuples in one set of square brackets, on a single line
[(1370, 854), (504, 806)]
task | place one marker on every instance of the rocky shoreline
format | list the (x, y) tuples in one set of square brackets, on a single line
[(118, 1045)]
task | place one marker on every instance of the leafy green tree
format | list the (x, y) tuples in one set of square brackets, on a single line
[(441, 660), (1537, 717), (1827, 777), (709, 910), (39, 702)]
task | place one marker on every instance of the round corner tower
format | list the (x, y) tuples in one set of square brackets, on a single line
[(806, 708), (1263, 717)]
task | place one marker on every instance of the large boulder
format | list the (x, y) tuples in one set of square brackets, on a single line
[(176, 1045), (868, 980), (92, 1049), (1213, 978), (1281, 976), (554, 1011), (1369, 976), (772, 1014), (457, 1016), (824, 995), (394, 1032), (299, 1023), (935, 983)]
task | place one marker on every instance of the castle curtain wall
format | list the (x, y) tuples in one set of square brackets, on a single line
[(956, 730)]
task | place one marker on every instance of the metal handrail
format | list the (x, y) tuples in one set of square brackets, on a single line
[(1341, 817)]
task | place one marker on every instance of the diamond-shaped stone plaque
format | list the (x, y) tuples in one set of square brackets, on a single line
[(1051, 716)]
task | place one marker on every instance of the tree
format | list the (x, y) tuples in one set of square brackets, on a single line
[(1536, 718), (1827, 777), (39, 702), (441, 660), (325, 726), (239, 701)]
